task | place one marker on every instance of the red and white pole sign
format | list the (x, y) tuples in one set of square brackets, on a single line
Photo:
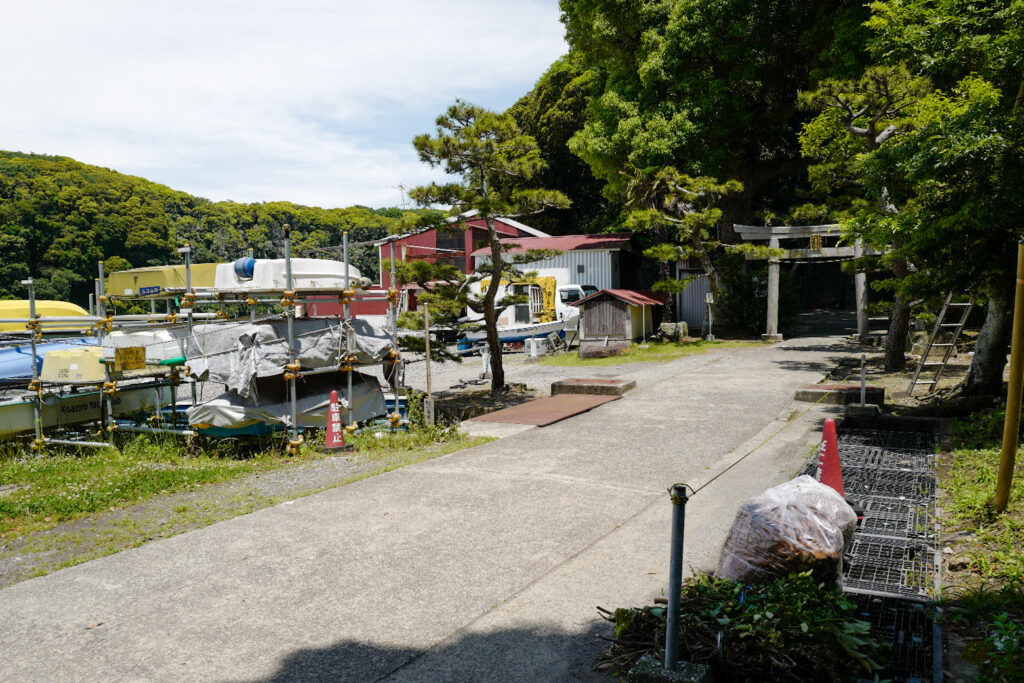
[(335, 430)]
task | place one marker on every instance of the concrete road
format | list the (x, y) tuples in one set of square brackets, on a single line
[(483, 565)]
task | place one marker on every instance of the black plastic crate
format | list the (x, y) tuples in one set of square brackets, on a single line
[(891, 567), (909, 522), (860, 482), (907, 459), (909, 627), (888, 439), (896, 505)]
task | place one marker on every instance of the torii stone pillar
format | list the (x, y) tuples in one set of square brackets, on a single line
[(860, 286), (772, 333)]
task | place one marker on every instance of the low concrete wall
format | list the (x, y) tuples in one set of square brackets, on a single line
[(601, 387), (599, 349), (840, 394)]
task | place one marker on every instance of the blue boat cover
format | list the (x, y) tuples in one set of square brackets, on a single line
[(16, 361)]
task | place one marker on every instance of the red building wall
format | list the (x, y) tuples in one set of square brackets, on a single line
[(420, 247)]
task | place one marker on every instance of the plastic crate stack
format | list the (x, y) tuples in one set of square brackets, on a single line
[(892, 565), (890, 477)]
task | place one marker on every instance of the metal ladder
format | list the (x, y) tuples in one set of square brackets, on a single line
[(940, 325)]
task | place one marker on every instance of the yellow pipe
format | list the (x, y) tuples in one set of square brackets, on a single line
[(1011, 427)]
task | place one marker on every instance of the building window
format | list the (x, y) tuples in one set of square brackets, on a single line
[(450, 248)]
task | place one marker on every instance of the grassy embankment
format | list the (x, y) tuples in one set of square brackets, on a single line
[(651, 352), (985, 580), (38, 492)]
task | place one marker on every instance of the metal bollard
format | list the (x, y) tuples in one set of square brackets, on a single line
[(675, 575)]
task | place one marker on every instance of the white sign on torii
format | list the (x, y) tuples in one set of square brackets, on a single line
[(815, 250)]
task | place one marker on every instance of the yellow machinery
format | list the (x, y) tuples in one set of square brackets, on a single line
[(549, 288)]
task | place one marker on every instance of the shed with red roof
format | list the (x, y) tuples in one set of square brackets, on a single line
[(617, 315)]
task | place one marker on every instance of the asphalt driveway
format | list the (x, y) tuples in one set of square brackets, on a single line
[(486, 564)]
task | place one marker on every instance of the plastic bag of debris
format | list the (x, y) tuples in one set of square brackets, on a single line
[(797, 526)]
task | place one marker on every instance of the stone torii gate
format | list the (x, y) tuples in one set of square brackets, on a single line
[(815, 249)]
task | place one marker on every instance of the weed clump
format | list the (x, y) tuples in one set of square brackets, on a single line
[(793, 629)]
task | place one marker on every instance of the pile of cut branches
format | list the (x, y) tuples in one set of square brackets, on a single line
[(792, 629)]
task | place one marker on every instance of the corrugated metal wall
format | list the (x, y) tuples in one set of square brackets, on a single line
[(691, 303), (597, 265)]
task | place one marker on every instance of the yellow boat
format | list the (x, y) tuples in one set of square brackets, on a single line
[(19, 308), (153, 280)]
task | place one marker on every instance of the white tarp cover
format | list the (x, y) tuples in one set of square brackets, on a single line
[(238, 354), (314, 394)]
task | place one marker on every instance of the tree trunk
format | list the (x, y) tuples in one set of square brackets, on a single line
[(986, 373), (899, 319), (896, 339), (670, 304), (712, 273), (490, 315)]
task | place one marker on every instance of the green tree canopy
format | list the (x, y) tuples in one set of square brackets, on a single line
[(58, 217), (707, 87), (944, 183), (551, 113)]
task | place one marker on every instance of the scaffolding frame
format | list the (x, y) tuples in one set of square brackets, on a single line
[(186, 299)]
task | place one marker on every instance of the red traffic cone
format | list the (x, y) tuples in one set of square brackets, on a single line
[(335, 432), (831, 469)]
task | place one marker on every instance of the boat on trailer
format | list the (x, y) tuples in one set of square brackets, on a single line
[(257, 359), (514, 334)]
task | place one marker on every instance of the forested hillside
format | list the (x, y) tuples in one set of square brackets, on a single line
[(58, 217)]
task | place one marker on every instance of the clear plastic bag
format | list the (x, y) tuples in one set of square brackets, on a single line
[(797, 526)]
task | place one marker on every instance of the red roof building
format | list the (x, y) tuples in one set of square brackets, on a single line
[(617, 314), (561, 243), (454, 246), (630, 296)]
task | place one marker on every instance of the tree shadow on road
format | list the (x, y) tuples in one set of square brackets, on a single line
[(823, 365), (505, 655)]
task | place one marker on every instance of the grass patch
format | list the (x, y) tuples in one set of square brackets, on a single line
[(985, 598), (655, 352), (67, 485), (970, 481)]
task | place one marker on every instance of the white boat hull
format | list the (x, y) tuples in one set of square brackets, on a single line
[(511, 334), (18, 416)]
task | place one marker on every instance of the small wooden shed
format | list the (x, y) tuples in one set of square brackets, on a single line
[(617, 315)]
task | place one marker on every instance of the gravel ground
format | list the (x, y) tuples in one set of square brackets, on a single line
[(519, 368)]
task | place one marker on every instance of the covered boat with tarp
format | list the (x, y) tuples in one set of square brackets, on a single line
[(16, 359)]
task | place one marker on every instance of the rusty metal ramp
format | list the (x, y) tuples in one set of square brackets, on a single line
[(544, 411)]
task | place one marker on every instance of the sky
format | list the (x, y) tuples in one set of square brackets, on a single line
[(310, 101)]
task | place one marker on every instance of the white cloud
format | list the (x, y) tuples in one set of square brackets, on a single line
[(310, 100)]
